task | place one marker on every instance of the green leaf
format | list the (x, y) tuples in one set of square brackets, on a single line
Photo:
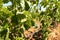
[(26, 6), (5, 1)]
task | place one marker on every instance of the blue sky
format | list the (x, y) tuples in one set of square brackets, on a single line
[(9, 3)]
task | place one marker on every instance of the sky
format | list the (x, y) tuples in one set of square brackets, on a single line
[(9, 3)]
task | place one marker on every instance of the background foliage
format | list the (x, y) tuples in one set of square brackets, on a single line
[(22, 12)]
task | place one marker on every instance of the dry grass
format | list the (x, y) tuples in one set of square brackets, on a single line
[(55, 33)]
